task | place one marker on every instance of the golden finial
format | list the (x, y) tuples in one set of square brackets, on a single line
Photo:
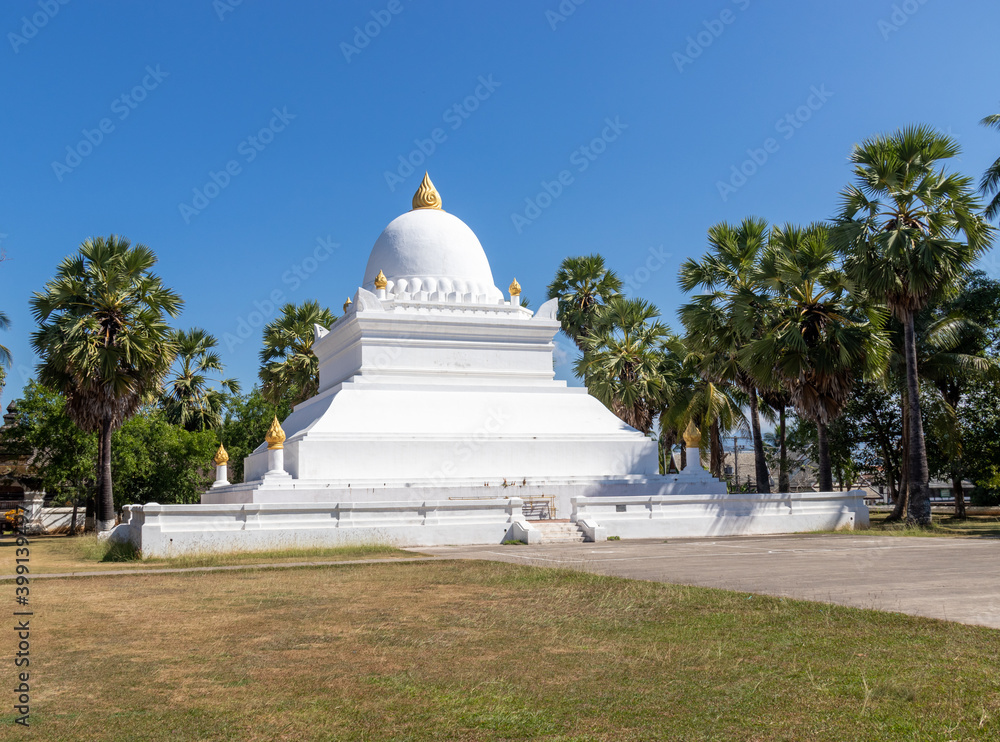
[(347, 304), (426, 196), (275, 435), (221, 457), (514, 288), (381, 281), (692, 436)]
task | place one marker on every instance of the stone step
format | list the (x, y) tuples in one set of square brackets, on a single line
[(557, 533)]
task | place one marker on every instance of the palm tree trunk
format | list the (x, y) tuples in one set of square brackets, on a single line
[(105, 500), (715, 450), (72, 520), (890, 479), (825, 472), (90, 510), (684, 455), (919, 509), (783, 483), (959, 493), (904, 480), (760, 462), (667, 440)]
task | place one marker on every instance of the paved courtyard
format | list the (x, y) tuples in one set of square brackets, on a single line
[(952, 579)]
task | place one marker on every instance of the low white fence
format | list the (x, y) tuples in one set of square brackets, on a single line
[(698, 516), (171, 530)]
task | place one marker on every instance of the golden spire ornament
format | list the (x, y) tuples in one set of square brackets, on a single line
[(221, 457), (381, 281), (692, 436), (427, 196), (347, 304), (514, 288), (275, 435)]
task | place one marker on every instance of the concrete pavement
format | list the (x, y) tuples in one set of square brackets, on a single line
[(951, 579)]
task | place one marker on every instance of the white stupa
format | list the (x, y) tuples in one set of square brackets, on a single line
[(434, 383), (439, 420)]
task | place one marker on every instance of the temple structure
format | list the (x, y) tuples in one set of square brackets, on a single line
[(434, 383), (438, 419)]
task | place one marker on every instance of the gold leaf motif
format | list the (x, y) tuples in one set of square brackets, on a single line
[(692, 436), (426, 196), (275, 435), (221, 457)]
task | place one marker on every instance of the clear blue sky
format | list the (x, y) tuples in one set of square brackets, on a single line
[(198, 87)]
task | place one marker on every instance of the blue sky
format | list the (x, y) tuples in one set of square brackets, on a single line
[(291, 121)]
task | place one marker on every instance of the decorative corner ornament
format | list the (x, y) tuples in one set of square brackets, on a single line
[(514, 288), (347, 304), (692, 436), (275, 435), (381, 281), (427, 196), (221, 457)]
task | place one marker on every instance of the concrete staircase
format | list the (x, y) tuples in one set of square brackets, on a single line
[(558, 531)]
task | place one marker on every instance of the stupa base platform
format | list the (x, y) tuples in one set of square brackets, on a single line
[(552, 493), (175, 530)]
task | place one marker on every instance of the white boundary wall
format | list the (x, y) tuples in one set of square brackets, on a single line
[(699, 516), (173, 530)]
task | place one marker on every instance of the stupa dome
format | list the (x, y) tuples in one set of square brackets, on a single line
[(430, 254)]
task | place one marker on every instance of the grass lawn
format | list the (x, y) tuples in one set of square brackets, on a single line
[(483, 651), (61, 554), (975, 526)]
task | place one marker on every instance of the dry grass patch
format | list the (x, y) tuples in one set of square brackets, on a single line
[(973, 526), (485, 651), (63, 554)]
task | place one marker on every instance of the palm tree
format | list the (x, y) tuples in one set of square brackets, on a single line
[(990, 182), (952, 353), (908, 230), (582, 285), (288, 364), (702, 396), (819, 342), (188, 400), (621, 363), (103, 341), (730, 315)]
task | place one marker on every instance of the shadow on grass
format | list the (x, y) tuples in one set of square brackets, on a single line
[(974, 526), (97, 550)]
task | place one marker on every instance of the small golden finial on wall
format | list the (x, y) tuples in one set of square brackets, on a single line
[(221, 457), (275, 435), (692, 436)]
